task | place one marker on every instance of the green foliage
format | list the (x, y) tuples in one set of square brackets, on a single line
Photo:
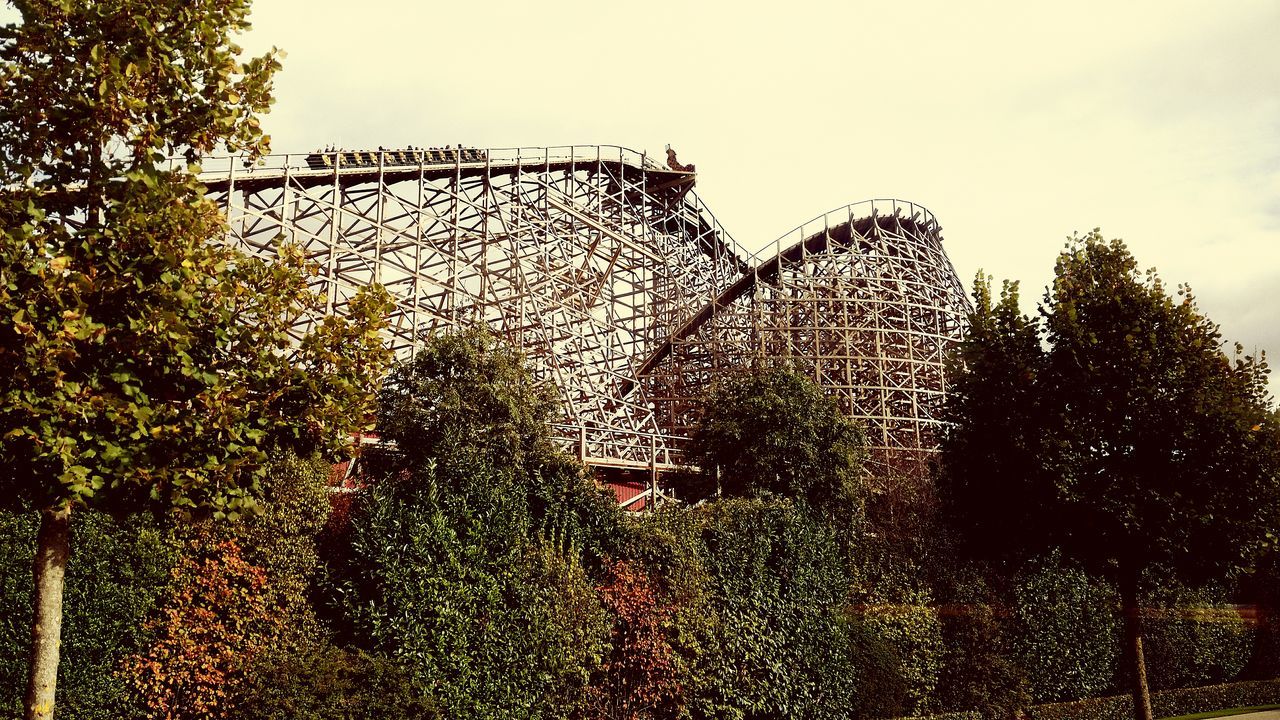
[(1068, 631), (1116, 430), (1262, 587), (465, 560), (1166, 703), (143, 365), (1164, 417), (151, 78), (1128, 420), (496, 629), (121, 571), (993, 445), (904, 619), (773, 433), (1194, 638), (782, 647), (980, 670), (282, 539), (471, 427), (322, 682)]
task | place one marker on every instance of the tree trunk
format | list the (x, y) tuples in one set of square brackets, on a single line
[(50, 569), (1133, 647)]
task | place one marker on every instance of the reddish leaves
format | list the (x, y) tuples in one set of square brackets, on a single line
[(640, 675), (207, 635)]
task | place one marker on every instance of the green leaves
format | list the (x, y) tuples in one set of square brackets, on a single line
[(773, 432), (1113, 425), (143, 365)]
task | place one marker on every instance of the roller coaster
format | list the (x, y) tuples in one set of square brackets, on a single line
[(619, 284)]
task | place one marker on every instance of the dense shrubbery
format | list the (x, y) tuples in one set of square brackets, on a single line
[(1195, 639), (121, 569), (1166, 703), (484, 576), (980, 669), (1068, 631)]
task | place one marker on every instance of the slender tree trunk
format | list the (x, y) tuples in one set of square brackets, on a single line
[(1133, 646), (50, 569)]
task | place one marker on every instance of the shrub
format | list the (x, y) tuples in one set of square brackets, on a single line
[(206, 637), (639, 676), (905, 620), (495, 626), (1193, 638), (323, 682), (1068, 631), (898, 610), (121, 569), (782, 646), (979, 669)]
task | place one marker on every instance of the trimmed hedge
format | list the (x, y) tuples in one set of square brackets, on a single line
[(1165, 703), (1194, 639), (1068, 629), (900, 613), (117, 573)]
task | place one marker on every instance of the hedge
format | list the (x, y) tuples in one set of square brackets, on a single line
[(117, 573), (1165, 703), (1194, 639), (1067, 627)]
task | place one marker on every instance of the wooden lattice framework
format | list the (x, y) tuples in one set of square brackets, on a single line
[(862, 299), (617, 282)]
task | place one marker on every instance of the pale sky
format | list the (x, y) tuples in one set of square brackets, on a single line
[(1016, 123)]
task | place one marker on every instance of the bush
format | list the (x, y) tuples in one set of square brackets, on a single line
[(782, 646), (118, 571), (906, 621), (1165, 703), (495, 626), (323, 682), (979, 670), (1067, 627), (639, 677), (211, 629), (899, 611), (1194, 639)]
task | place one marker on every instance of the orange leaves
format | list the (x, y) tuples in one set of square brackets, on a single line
[(206, 636)]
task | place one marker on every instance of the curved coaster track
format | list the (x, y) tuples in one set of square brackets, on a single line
[(617, 282)]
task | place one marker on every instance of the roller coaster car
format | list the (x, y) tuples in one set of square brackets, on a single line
[(396, 158)]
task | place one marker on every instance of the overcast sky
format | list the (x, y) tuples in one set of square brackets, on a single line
[(1015, 124)]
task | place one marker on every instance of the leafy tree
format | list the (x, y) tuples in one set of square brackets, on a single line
[(143, 365), (773, 432), (1130, 440), (465, 559), (472, 426)]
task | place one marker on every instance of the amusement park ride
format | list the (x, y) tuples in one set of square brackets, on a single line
[(619, 285)]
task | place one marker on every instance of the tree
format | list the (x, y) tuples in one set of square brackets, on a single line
[(466, 556), (773, 432), (1117, 430), (144, 366)]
